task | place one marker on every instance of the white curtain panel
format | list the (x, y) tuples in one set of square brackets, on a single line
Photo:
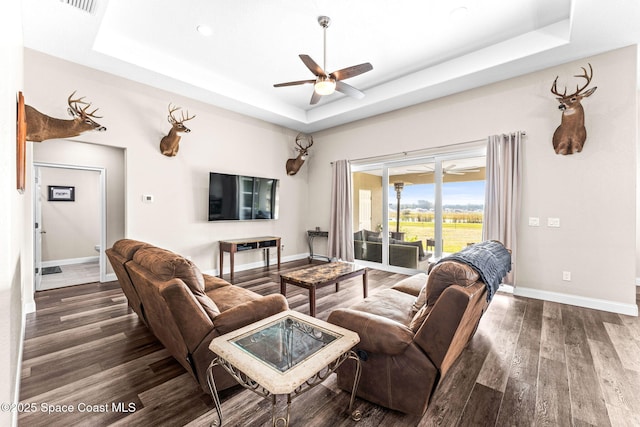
[(340, 224), (502, 194)]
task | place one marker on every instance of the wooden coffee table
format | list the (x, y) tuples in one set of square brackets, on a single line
[(321, 275)]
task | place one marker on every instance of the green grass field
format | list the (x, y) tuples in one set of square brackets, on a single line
[(455, 235)]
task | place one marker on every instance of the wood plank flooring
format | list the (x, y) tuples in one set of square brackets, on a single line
[(530, 363)]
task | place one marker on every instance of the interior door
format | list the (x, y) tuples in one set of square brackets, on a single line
[(37, 230)]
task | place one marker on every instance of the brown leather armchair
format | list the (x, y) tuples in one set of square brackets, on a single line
[(411, 334)]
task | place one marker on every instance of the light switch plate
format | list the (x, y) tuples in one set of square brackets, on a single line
[(553, 222)]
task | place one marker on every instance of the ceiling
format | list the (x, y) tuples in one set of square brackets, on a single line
[(420, 50)]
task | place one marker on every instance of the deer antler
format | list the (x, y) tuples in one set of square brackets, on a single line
[(588, 76), (584, 75), (301, 137), (80, 112), (554, 89), (173, 120)]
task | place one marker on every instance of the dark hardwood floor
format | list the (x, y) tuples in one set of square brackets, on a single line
[(530, 363)]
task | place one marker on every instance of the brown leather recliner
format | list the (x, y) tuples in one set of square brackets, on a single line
[(411, 334), (184, 308)]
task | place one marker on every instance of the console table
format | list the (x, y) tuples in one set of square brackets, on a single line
[(248, 244), (312, 234)]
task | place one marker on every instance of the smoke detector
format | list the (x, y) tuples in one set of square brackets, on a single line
[(84, 5)]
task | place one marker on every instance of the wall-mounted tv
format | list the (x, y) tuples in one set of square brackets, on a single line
[(239, 197)]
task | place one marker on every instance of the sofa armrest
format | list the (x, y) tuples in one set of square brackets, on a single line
[(213, 282), (249, 312), (377, 334), (192, 321), (451, 323)]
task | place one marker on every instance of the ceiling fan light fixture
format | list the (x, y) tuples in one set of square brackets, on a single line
[(325, 85)]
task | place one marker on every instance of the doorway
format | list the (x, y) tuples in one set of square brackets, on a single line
[(70, 225)]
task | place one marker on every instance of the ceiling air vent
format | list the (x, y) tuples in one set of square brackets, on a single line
[(84, 5)]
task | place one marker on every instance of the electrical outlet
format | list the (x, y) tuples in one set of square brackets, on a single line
[(553, 222), (147, 198), (534, 221), (282, 247), (566, 276)]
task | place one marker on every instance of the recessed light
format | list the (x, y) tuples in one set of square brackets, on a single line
[(205, 30), (459, 13)]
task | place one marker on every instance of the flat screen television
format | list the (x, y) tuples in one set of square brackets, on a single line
[(239, 197)]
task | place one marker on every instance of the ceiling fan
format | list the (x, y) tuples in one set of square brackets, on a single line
[(448, 170), (326, 84)]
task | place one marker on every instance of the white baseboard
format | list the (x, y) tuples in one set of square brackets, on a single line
[(70, 261), (29, 307), (242, 267), (110, 277), (637, 281), (598, 304)]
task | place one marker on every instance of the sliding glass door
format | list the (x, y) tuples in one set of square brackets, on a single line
[(410, 213)]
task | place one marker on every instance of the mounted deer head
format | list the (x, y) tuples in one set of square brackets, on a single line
[(570, 136), (41, 127), (293, 165), (170, 144)]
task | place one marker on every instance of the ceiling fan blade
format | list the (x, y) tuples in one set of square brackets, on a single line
[(311, 65), (299, 82), (349, 90), (315, 98), (353, 71)]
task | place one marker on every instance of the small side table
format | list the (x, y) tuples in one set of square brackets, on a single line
[(285, 354), (312, 234)]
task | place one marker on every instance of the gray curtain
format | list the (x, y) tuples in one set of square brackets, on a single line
[(502, 195), (340, 225)]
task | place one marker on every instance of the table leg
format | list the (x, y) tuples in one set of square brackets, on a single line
[(231, 262), (221, 261), (312, 301), (265, 253), (337, 286), (275, 420), (279, 254), (365, 284), (214, 392), (310, 243), (355, 415), (283, 286)]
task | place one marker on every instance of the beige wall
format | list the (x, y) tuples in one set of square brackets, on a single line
[(12, 220), (593, 192), (222, 141)]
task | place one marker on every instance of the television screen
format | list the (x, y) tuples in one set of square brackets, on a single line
[(238, 197)]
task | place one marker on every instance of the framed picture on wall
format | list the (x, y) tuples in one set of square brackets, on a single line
[(60, 193)]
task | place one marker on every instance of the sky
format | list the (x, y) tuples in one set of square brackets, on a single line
[(453, 193)]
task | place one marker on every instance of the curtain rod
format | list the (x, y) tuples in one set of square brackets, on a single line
[(429, 150)]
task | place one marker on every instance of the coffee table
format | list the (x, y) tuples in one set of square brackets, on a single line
[(321, 275), (285, 354)]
